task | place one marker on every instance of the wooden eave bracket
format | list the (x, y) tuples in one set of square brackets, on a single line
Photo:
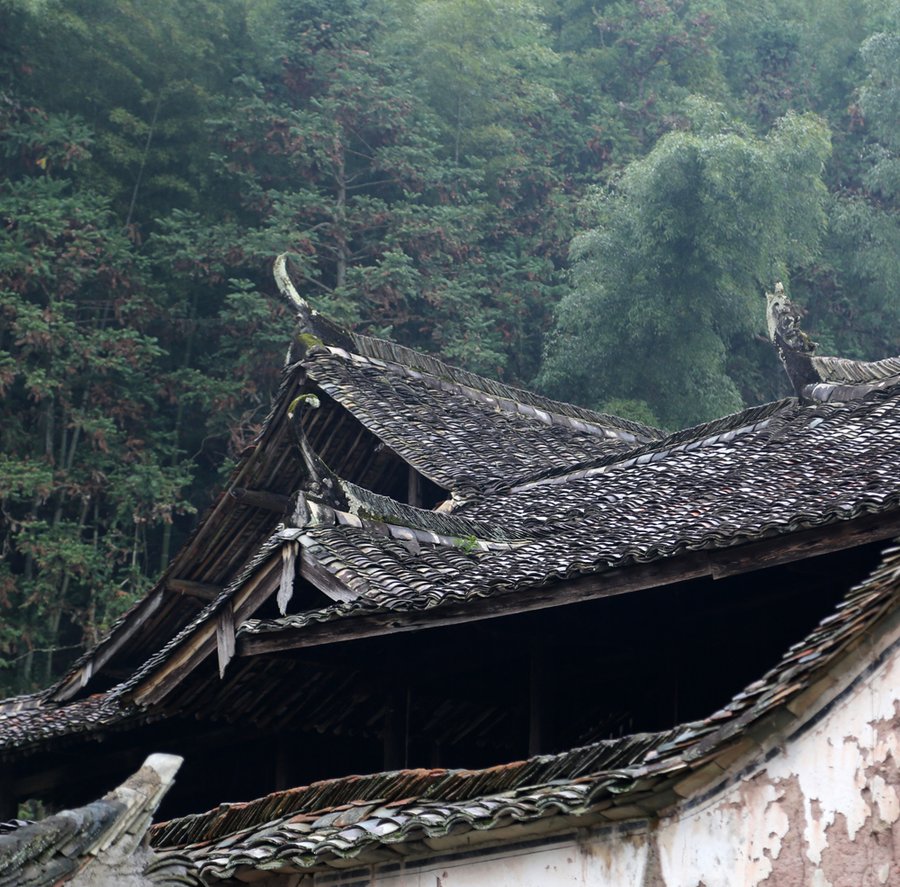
[(276, 502), (225, 637), (200, 590)]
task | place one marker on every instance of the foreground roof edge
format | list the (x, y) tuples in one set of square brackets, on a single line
[(635, 777)]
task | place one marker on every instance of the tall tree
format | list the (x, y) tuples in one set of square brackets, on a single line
[(673, 268)]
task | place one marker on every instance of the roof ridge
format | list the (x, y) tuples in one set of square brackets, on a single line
[(325, 331), (378, 508), (412, 360), (707, 433)]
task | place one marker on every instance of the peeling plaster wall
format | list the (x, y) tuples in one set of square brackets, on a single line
[(822, 812)]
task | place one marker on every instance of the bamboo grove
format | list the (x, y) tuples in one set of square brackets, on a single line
[(585, 197)]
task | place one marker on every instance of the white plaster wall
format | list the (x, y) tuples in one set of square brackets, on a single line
[(567, 864), (822, 813)]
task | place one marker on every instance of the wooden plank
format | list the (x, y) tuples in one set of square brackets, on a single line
[(225, 638), (622, 580), (804, 544), (327, 583), (200, 590), (263, 499), (108, 648)]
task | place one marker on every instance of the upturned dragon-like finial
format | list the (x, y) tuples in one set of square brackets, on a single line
[(313, 328), (821, 378)]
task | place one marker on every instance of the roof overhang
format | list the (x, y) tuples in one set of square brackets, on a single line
[(275, 636)]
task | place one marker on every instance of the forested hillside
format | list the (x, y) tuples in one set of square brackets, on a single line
[(584, 196)]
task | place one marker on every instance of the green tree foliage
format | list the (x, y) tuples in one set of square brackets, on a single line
[(330, 153), (880, 105), (82, 473), (142, 76), (673, 269), (424, 162), (851, 293)]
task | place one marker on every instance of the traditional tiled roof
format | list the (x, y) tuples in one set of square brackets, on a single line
[(44, 725), (765, 472), (799, 466), (466, 433), (634, 777)]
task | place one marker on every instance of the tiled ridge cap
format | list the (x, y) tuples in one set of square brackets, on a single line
[(842, 369), (770, 415), (371, 506), (706, 434), (415, 364), (328, 515)]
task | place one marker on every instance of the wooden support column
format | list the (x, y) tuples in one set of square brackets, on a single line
[(414, 488), (282, 764), (395, 731), (536, 683)]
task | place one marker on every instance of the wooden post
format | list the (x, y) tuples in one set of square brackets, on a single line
[(282, 764), (414, 488), (536, 679), (394, 725)]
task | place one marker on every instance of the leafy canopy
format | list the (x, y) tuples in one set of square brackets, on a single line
[(679, 250)]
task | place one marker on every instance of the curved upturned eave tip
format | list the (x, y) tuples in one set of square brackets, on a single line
[(286, 287)]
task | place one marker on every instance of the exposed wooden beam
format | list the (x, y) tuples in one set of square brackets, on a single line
[(112, 645), (638, 577), (326, 582), (805, 544), (200, 590), (263, 499), (203, 642)]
